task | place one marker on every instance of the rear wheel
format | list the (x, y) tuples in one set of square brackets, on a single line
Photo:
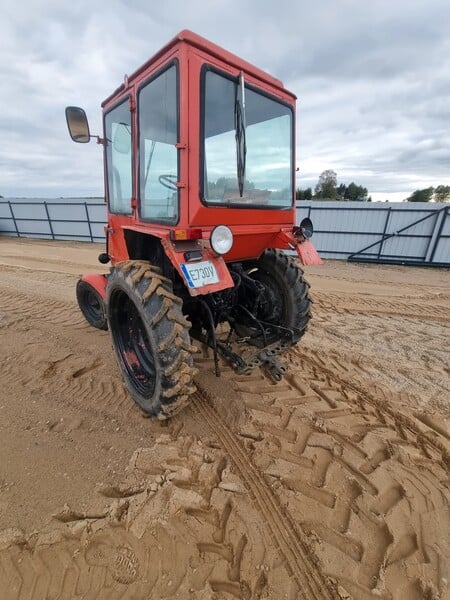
[(91, 305), (150, 337), (284, 301)]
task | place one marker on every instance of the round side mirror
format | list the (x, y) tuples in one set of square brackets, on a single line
[(304, 230), (78, 124), (306, 227)]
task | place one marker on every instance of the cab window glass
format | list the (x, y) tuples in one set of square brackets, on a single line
[(268, 142), (158, 155), (118, 158)]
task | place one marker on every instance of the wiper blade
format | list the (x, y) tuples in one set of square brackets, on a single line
[(239, 123)]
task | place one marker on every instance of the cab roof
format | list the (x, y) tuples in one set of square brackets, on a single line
[(192, 39)]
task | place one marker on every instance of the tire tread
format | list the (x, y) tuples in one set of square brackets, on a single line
[(169, 330)]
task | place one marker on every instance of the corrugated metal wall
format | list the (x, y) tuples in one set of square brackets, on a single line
[(415, 233), (68, 219)]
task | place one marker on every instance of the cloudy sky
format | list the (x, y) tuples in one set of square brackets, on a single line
[(372, 78)]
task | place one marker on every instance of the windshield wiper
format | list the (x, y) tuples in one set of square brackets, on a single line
[(239, 124)]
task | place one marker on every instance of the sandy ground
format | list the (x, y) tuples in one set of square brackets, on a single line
[(331, 484)]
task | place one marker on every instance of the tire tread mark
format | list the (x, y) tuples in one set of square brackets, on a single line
[(405, 425), (373, 419), (284, 532)]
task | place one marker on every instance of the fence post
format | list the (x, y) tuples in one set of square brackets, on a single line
[(384, 232), (88, 221), (49, 220), (13, 218), (445, 214)]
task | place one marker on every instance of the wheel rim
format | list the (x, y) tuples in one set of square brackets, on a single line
[(132, 343), (272, 303), (270, 309), (92, 305)]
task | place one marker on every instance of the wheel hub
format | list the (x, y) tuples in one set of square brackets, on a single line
[(133, 344)]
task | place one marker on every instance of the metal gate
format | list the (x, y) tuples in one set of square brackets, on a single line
[(425, 241), (380, 232)]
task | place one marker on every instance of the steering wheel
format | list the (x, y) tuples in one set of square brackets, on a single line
[(169, 181)]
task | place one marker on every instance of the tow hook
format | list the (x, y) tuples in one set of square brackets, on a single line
[(275, 368)]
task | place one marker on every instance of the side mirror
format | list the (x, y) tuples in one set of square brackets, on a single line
[(305, 230), (78, 124)]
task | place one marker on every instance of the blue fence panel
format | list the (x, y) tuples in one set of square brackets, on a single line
[(71, 219), (418, 233)]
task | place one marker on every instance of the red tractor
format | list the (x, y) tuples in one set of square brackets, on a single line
[(200, 185)]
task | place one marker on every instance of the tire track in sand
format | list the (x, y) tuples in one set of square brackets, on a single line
[(430, 309), (173, 529), (74, 371), (22, 307), (363, 481), (286, 537)]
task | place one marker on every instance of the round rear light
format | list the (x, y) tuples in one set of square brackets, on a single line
[(221, 239)]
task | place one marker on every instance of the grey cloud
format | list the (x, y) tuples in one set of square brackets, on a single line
[(372, 81)]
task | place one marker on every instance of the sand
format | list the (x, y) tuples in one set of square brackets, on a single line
[(332, 483)]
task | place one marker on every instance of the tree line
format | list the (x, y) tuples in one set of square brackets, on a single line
[(327, 188), (440, 193)]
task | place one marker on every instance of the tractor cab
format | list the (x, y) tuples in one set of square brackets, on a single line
[(199, 157)]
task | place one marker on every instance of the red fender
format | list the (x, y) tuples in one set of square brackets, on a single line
[(307, 254), (98, 282)]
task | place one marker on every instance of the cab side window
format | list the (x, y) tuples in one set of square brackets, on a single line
[(119, 158)]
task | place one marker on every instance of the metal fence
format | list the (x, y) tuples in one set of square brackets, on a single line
[(397, 233), (392, 233), (69, 219)]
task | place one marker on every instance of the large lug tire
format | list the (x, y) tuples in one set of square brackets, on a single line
[(150, 337), (286, 300), (91, 305)]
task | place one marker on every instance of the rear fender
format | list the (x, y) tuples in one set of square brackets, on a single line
[(98, 282), (178, 254), (306, 252)]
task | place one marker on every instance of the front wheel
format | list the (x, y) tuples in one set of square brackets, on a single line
[(91, 305), (150, 337)]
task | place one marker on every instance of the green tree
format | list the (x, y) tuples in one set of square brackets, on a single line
[(356, 192), (442, 193), (341, 191), (326, 188), (424, 195), (305, 194)]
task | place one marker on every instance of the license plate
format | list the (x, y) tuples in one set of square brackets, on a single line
[(200, 274)]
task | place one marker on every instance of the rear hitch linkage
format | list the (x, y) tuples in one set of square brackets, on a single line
[(264, 358)]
